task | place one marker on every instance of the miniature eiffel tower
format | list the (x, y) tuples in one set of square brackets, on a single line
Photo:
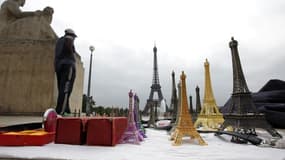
[(191, 110), (210, 117), (185, 125), (137, 117), (241, 113), (178, 109), (198, 100), (174, 99), (131, 134)]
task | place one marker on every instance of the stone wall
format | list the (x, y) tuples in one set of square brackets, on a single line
[(27, 77), (77, 92)]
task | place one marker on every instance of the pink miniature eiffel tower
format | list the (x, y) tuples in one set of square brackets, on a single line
[(131, 134)]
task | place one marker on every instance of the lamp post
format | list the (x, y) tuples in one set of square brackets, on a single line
[(88, 107)]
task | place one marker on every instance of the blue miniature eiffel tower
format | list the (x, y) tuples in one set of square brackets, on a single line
[(137, 117)]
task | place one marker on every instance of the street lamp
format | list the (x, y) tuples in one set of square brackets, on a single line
[(88, 107)]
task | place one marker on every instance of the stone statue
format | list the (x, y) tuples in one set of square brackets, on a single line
[(16, 24)]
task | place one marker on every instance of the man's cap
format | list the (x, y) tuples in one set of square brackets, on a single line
[(70, 32)]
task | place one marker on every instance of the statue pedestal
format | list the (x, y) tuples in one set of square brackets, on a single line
[(28, 82)]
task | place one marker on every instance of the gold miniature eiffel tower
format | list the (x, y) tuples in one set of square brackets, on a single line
[(210, 117), (185, 125)]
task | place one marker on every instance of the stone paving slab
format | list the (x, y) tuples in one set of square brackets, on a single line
[(11, 120)]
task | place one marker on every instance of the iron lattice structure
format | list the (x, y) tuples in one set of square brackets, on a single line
[(210, 117), (174, 99), (241, 111), (185, 126), (152, 103)]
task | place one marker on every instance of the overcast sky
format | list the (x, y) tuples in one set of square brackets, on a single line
[(186, 33)]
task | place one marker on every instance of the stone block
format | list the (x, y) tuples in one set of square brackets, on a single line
[(28, 81)]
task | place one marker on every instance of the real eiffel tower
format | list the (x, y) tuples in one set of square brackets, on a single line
[(152, 103), (241, 113), (210, 117), (185, 126)]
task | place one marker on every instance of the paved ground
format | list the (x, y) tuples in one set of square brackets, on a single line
[(11, 120)]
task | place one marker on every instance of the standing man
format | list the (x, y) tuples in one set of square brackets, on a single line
[(65, 69)]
